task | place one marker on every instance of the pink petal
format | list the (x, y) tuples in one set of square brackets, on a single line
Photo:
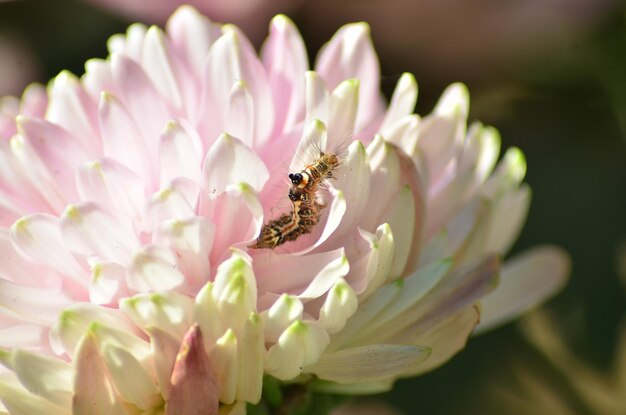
[(146, 106), (108, 282), (191, 241), (241, 113), (232, 59), (180, 152), (193, 388), (51, 157), (72, 109), (344, 105), (90, 230), (94, 391), (317, 100), (122, 139), (110, 183), (350, 54), (157, 63), (164, 349), (38, 238), (192, 35), (285, 60), (230, 161), (302, 271), (402, 103)]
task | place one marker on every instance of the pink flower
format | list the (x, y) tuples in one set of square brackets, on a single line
[(129, 199)]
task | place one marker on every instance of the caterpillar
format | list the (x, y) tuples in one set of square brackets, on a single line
[(309, 178), (305, 206), (304, 216)]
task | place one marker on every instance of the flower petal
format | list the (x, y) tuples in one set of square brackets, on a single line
[(251, 355), (38, 238), (341, 303), (153, 268), (350, 54), (402, 103), (193, 388), (300, 345), (526, 280), (94, 391), (89, 230), (192, 35), (55, 386), (284, 311), (445, 339), (110, 183), (180, 152), (168, 311), (285, 60), (368, 363), (230, 161), (19, 402)]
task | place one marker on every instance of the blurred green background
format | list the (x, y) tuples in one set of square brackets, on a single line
[(554, 87)]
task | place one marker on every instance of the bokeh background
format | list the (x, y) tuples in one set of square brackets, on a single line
[(549, 74)]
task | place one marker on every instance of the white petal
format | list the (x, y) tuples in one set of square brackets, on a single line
[(56, 384), (235, 290), (206, 315), (526, 280), (169, 311), (180, 152), (368, 363), (230, 161), (224, 356), (372, 270), (251, 359), (284, 311), (108, 282), (89, 230), (75, 320), (341, 303), (20, 402), (134, 384), (300, 345), (153, 268), (164, 347)]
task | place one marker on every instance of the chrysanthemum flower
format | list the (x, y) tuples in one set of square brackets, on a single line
[(129, 197)]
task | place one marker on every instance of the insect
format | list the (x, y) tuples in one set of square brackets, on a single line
[(305, 213), (314, 174), (305, 206)]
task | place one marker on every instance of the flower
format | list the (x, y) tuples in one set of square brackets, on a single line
[(130, 198)]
